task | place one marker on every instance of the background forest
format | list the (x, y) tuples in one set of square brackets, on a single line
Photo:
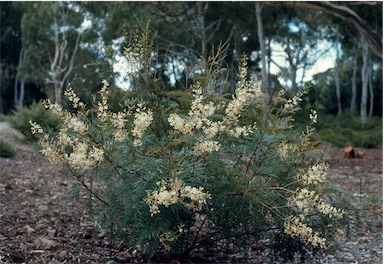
[(47, 45)]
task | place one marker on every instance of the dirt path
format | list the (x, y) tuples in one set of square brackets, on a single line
[(362, 181), (39, 224)]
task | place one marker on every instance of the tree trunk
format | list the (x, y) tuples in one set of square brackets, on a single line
[(337, 76), (272, 88), (22, 93), (260, 34), (58, 91), (295, 88), (19, 95), (370, 85), (16, 90), (1, 105), (354, 84), (201, 27), (338, 93), (364, 80), (62, 63)]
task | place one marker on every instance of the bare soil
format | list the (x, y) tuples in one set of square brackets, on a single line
[(40, 224)]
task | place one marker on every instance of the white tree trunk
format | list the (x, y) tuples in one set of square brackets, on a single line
[(19, 95), (370, 85), (337, 76), (260, 34), (62, 63), (364, 80), (354, 84), (338, 92)]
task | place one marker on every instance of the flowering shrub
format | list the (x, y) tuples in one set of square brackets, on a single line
[(228, 168)]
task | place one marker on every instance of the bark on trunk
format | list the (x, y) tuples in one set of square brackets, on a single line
[(370, 85), (201, 10), (62, 63), (354, 84), (260, 34), (19, 95), (337, 76), (364, 80)]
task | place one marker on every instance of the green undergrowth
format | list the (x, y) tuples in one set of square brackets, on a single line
[(19, 119), (346, 129), (6, 150)]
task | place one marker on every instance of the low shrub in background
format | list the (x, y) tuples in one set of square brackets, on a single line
[(19, 120), (345, 129), (174, 180), (6, 150), (348, 129)]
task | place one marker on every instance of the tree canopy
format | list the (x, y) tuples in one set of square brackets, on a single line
[(47, 45)]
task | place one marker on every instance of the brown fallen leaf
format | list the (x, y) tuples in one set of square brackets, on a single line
[(42, 242), (28, 229)]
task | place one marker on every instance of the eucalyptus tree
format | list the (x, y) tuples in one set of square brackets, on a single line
[(52, 34), (364, 59), (361, 22), (300, 49)]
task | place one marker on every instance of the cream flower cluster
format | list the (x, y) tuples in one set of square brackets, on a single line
[(313, 175), (198, 120), (142, 121), (313, 116), (35, 128), (72, 144), (54, 108), (246, 93), (118, 120), (102, 106), (295, 227), (84, 156), (292, 103), (73, 98), (199, 115), (306, 201), (49, 150), (206, 146), (174, 191), (283, 150), (138, 51)]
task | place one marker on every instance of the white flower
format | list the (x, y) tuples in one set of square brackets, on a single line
[(313, 116), (294, 226), (206, 146), (73, 98), (35, 128), (141, 122), (315, 174), (172, 192), (306, 201)]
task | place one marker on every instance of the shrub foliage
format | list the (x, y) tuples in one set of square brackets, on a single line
[(21, 117), (181, 170), (6, 150)]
